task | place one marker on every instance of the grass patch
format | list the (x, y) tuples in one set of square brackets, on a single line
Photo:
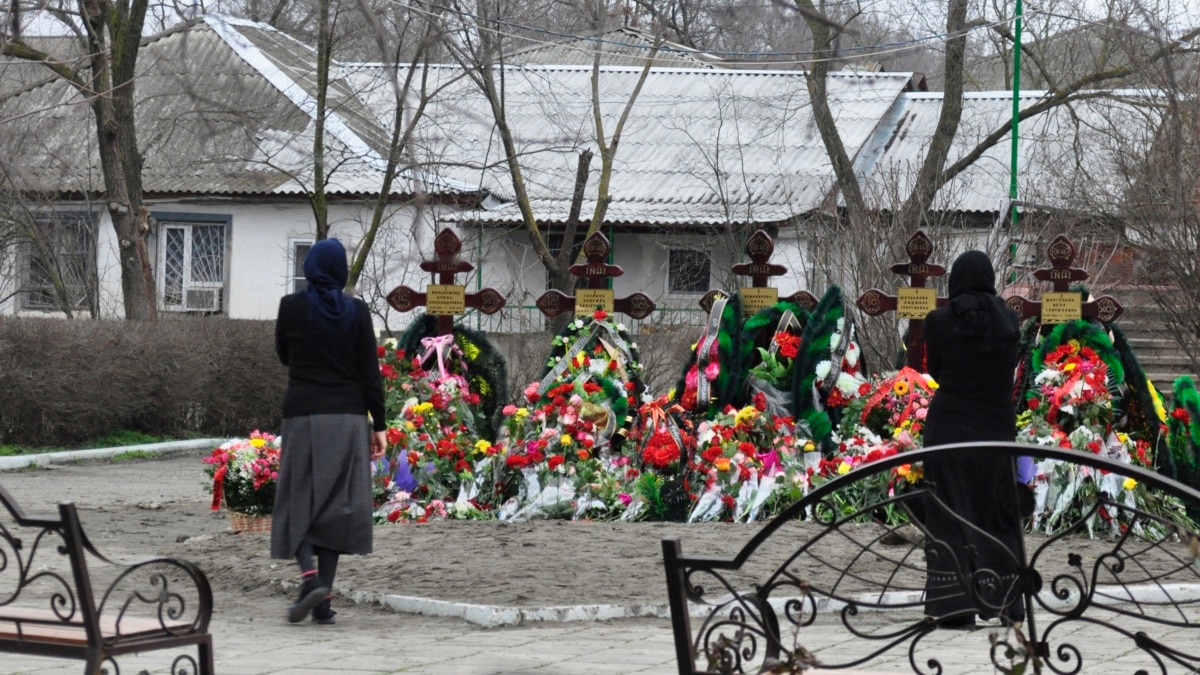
[(130, 455), (116, 439)]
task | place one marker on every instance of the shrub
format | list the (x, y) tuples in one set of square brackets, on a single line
[(67, 382)]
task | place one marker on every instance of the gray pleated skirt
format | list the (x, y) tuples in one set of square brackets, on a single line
[(323, 495)]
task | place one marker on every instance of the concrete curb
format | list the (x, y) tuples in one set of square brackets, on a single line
[(493, 616), (68, 456)]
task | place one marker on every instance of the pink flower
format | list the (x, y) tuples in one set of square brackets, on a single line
[(625, 498), (509, 409), (711, 371)]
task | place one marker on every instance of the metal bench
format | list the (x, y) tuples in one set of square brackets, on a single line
[(1136, 588), (48, 606)]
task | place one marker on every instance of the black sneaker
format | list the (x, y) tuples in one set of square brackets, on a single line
[(311, 594), (323, 613)]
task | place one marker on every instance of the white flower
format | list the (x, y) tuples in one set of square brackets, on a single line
[(848, 384), (822, 369), (621, 327)]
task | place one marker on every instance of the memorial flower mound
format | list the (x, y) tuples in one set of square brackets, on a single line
[(1071, 406), (243, 474)]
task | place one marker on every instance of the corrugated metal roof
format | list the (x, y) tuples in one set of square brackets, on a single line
[(1069, 157), (620, 47), (223, 109), (700, 146)]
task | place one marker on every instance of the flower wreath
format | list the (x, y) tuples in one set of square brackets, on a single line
[(710, 380), (474, 358), (620, 377)]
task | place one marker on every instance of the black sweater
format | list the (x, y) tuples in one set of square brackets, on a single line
[(328, 372)]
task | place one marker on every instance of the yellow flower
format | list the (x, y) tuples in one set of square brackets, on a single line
[(1069, 367), (843, 469), (931, 382), (671, 394), (565, 440), (722, 463), (1074, 346), (481, 446), (422, 408), (809, 446), (1129, 484), (469, 349), (521, 413), (409, 426), (1123, 437), (900, 388), (257, 442), (745, 414), (1159, 410), (903, 470)]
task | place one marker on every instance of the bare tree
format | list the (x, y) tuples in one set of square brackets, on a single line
[(111, 32)]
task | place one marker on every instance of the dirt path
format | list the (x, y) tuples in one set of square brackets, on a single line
[(132, 509)]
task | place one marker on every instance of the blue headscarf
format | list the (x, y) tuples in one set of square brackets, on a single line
[(326, 271)]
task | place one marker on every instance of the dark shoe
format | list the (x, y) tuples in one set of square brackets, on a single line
[(323, 613), (311, 594)]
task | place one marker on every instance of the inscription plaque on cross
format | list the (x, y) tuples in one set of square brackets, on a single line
[(596, 294), (913, 301), (445, 299), (759, 294), (1060, 305)]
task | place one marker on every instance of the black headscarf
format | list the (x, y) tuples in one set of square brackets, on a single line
[(984, 319), (326, 271)]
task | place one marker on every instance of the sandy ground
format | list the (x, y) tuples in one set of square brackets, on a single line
[(132, 509)]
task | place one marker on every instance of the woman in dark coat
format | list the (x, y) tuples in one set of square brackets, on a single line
[(971, 348), (323, 497)]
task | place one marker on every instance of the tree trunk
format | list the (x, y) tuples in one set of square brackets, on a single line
[(112, 77)]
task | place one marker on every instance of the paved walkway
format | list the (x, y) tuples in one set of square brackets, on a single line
[(251, 639)]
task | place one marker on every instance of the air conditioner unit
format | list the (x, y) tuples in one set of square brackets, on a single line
[(203, 300)]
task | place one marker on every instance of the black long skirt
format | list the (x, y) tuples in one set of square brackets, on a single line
[(974, 547)]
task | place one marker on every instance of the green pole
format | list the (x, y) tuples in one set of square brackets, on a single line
[(1016, 111)]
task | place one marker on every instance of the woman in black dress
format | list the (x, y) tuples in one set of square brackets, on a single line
[(975, 533), (323, 497)]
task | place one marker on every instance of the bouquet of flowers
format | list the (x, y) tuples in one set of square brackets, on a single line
[(739, 455), (894, 408), (243, 472)]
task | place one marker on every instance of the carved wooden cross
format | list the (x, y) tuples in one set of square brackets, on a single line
[(911, 304), (760, 269), (1059, 305), (596, 295), (445, 299)]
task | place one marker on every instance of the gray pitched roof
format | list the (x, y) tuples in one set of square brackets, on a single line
[(1070, 157), (705, 147), (620, 47), (224, 108)]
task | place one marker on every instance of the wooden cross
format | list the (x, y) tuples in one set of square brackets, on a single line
[(760, 269), (1059, 305), (445, 299), (909, 303), (596, 294)]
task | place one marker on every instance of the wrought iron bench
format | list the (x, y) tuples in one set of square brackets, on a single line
[(1137, 587), (48, 606)]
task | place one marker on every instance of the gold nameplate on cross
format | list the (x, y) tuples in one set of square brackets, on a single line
[(915, 303)]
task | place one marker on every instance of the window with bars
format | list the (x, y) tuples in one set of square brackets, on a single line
[(59, 270), (300, 248), (688, 270), (192, 265)]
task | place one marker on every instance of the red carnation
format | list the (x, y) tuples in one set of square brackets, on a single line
[(600, 315), (555, 461)]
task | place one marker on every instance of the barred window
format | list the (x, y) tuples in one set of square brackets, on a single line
[(192, 266), (688, 270), (59, 270)]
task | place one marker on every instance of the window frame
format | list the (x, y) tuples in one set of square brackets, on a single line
[(672, 249), (88, 222), (295, 265), (164, 221)]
